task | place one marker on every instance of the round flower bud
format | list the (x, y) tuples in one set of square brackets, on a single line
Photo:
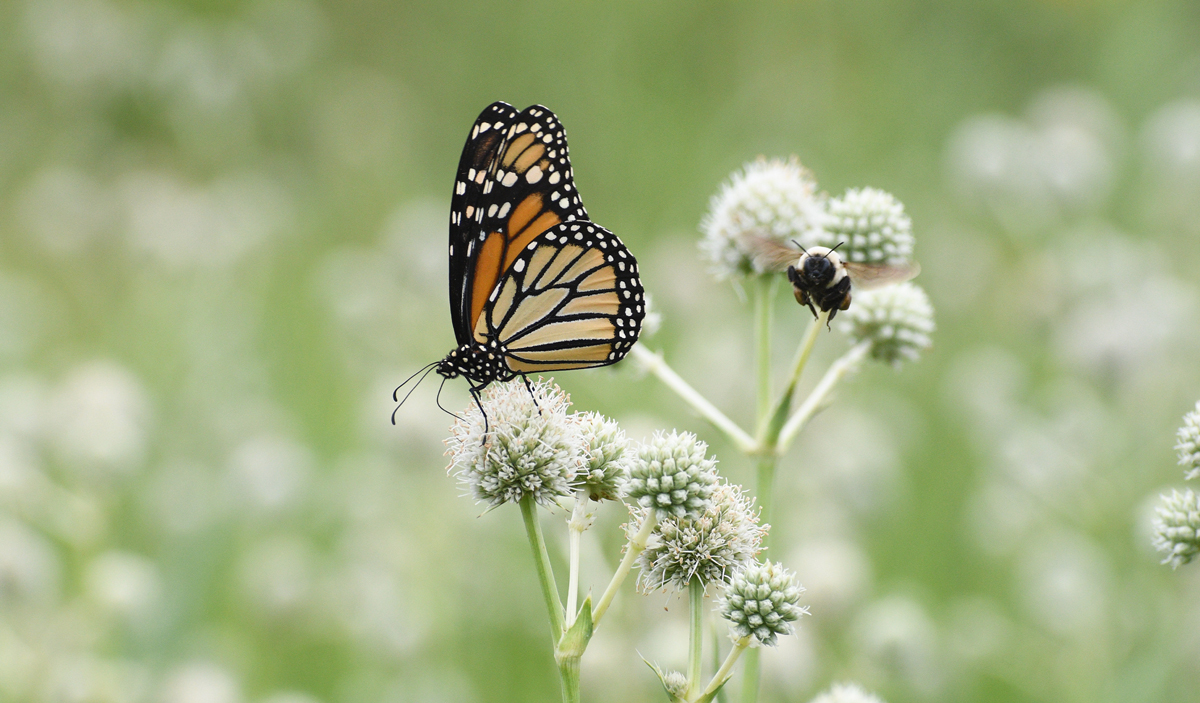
[(1189, 443), (847, 693), (897, 320), (1177, 528), (607, 457), (711, 546), (760, 601), (527, 448), (672, 475), (676, 683), (871, 226), (774, 199)]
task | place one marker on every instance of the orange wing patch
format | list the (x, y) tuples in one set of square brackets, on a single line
[(487, 272)]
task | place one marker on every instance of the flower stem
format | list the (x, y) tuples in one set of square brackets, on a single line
[(763, 299), (696, 636), (655, 364), (575, 527), (568, 676), (749, 676), (726, 669), (637, 544), (541, 559), (846, 364)]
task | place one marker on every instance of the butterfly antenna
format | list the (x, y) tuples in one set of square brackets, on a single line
[(438, 400), (426, 369), (396, 393)]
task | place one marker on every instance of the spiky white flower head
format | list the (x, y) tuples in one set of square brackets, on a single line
[(871, 226), (607, 456), (1177, 527), (672, 475), (528, 448), (775, 199), (761, 601), (1189, 444), (847, 693), (897, 320), (676, 684), (711, 546)]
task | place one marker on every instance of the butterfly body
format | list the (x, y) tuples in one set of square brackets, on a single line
[(534, 284)]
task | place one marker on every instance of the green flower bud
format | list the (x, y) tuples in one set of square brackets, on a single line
[(607, 456), (761, 600), (897, 320), (672, 475), (871, 226), (1177, 528)]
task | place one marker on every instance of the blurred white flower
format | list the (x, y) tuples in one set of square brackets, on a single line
[(200, 682), (896, 637), (289, 697), (837, 573), (65, 209), (125, 583), (775, 199), (1064, 582), (1171, 139), (847, 693), (101, 417), (83, 44), (270, 474), (30, 569), (278, 575)]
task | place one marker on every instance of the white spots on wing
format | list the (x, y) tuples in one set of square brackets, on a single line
[(533, 175), (492, 210), (521, 127), (519, 266), (477, 176), (509, 179), (564, 203), (460, 188), (554, 178), (470, 210), (504, 209)]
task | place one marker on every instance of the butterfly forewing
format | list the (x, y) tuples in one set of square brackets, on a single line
[(468, 204), (571, 299)]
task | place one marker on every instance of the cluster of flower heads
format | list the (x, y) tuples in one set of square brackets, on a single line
[(527, 444), (779, 201), (705, 529), (1177, 527)]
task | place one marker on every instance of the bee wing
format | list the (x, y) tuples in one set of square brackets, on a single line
[(768, 254), (871, 276)]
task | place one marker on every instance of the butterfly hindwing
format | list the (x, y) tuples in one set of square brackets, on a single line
[(571, 299), (467, 205)]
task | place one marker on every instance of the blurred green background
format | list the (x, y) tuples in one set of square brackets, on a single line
[(222, 244)]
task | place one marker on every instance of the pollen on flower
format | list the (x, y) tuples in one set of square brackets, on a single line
[(1189, 444), (871, 226), (896, 320), (774, 199), (710, 546), (528, 448)]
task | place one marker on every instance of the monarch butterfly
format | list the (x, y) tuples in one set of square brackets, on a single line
[(820, 276), (534, 285)]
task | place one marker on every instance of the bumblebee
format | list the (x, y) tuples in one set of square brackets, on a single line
[(821, 279)]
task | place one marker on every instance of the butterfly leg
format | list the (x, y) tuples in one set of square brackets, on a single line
[(475, 395), (529, 387)]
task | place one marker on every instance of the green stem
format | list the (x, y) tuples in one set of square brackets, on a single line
[(568, 675), (750, 676), (726, 669), (541, 559), (763, 299), (575, 527), (655, 364), (696, 636), (637, 544), (846, 364)]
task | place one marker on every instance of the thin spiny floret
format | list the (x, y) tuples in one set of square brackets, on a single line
[(1177, 527), (897, 321), (607, 457), (871, 227)]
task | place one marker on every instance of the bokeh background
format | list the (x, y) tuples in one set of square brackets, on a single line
[(222, 244)]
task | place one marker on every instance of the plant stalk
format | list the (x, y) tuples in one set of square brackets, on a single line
[(636, 545), (695, 636), (541, 559)]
